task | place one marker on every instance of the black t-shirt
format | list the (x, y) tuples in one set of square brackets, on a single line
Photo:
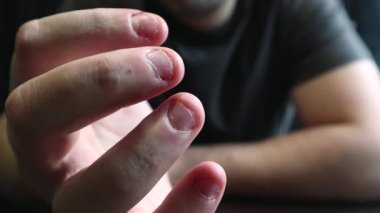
[(244, 72)]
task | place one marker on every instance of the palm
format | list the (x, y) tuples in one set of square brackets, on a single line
[(109, 130), (100, 136), (97, 138)]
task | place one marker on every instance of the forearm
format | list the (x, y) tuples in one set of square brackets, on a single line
[(335, 162)]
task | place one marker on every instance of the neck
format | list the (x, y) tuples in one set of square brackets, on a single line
[(204, 22), (214, 20)]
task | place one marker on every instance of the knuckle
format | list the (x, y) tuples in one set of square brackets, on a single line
[(13, 109), (26, 36), (144, 160), (142, 164), (105, 75), (19, 105), (12, 104), (98, 20)]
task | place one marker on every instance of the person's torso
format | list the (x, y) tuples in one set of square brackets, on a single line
[(238, 73)]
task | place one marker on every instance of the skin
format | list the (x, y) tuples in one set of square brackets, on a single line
[(77, 119)]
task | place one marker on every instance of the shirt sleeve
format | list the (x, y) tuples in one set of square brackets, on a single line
[(318, 36), (366, 15)]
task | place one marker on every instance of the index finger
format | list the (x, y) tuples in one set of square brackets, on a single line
[(129, 170)]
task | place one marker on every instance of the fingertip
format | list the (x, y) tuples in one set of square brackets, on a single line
[(200, 190), (150, 27), (186, 108), (178, 64), (167, 64), (209, 179)]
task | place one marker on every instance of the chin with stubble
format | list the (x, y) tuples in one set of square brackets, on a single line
[(193, 8)]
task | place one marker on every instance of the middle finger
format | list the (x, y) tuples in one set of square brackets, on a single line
[(43, 44), (76, 94)]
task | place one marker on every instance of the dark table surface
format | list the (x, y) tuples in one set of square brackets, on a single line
[(242, 205)]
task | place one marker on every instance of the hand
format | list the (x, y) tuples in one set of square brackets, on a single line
[(79, 122)]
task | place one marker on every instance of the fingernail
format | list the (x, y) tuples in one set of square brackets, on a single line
[(145, 25), (161, 64), (207, 188), (181, 118)]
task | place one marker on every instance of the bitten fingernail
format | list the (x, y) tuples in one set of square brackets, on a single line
[(145, 25), (161, 64), (180, 117)]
